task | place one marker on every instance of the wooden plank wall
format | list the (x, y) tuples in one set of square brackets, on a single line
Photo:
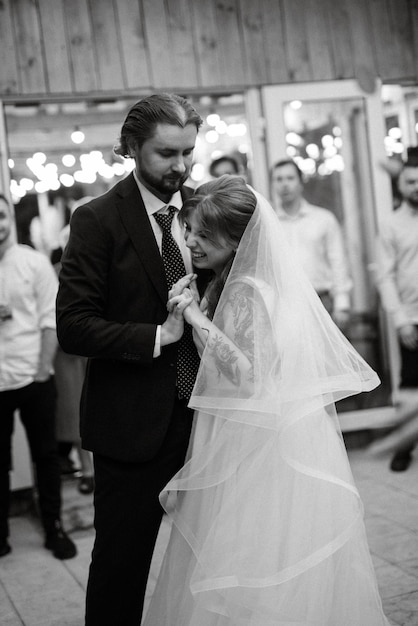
[(63, 48)]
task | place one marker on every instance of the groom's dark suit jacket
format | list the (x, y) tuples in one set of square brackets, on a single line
[(112, 295)]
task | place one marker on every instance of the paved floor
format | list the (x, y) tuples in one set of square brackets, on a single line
[(38, 590)]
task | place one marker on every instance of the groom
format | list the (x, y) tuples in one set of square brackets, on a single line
[(111, 307)]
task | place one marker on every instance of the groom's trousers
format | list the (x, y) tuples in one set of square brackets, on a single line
[(127, 519)]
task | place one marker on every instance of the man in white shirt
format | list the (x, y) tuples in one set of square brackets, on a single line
[(398, 286), (315, 234), (28, 342)]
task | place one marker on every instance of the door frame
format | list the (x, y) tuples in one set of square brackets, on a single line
[(4, 168), (273, 98)]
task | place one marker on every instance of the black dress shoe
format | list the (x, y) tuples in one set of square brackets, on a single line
[(4, 548), (67, 466), (86, 485), (59, 543), (401, 461)]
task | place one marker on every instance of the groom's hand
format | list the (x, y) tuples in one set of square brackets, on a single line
[(186, 306), (177, 304), (172, 329)]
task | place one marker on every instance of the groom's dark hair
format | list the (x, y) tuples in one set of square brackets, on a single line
[(143, 117)]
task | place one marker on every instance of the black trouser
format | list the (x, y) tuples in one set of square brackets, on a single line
[(409, 367), (127, 519), (409, 380), (36, 404)]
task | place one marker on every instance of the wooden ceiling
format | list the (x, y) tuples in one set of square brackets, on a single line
[(72, 48)]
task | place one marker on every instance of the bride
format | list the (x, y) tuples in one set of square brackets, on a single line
[(267, 522)]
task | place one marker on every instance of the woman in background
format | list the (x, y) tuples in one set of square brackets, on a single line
[(69, 377)]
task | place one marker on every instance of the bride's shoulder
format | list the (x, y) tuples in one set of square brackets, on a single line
[(256, 284), (254, 288)]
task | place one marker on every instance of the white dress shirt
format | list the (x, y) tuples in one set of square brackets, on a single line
[(315, 235), (28, 286), (398, 265)]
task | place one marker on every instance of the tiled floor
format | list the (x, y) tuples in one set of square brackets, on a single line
[(38, 590)]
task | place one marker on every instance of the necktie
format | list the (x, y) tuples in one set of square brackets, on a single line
[(188, 359)]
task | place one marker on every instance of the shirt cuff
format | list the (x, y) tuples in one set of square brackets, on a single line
[(157, 345)]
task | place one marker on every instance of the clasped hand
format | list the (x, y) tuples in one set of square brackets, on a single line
[(181, 301), (180, 298)]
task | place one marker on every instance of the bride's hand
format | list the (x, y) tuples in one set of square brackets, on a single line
[(179, 303), (186, 305), (181, 284)]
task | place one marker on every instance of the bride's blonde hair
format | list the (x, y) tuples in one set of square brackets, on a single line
[(223, 208)]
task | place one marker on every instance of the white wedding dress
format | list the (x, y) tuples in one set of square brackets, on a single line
[(267, 522)]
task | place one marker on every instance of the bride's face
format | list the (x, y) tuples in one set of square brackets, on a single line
[(205, 254)]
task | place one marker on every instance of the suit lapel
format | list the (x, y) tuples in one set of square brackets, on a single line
[(136, 222)]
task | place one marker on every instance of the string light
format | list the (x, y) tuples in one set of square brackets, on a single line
[(68, 160), (27, 184), (92, 165), (212, 136), (67, 180), (39, 157), (213, 119), (77, 136), (198, 172)]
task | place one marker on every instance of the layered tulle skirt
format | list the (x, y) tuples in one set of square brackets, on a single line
[(267, 530)]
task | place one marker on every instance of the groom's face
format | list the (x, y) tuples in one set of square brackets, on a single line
[(164, 162)]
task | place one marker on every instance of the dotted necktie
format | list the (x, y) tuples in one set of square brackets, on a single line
[(188, 359)]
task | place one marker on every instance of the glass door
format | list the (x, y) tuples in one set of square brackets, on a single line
[(4, 170), (335, 132)]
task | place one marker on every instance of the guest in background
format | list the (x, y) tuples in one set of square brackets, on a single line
[(398, 286), (316, 237), (70, 371), (225, 164), (28, 288)]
